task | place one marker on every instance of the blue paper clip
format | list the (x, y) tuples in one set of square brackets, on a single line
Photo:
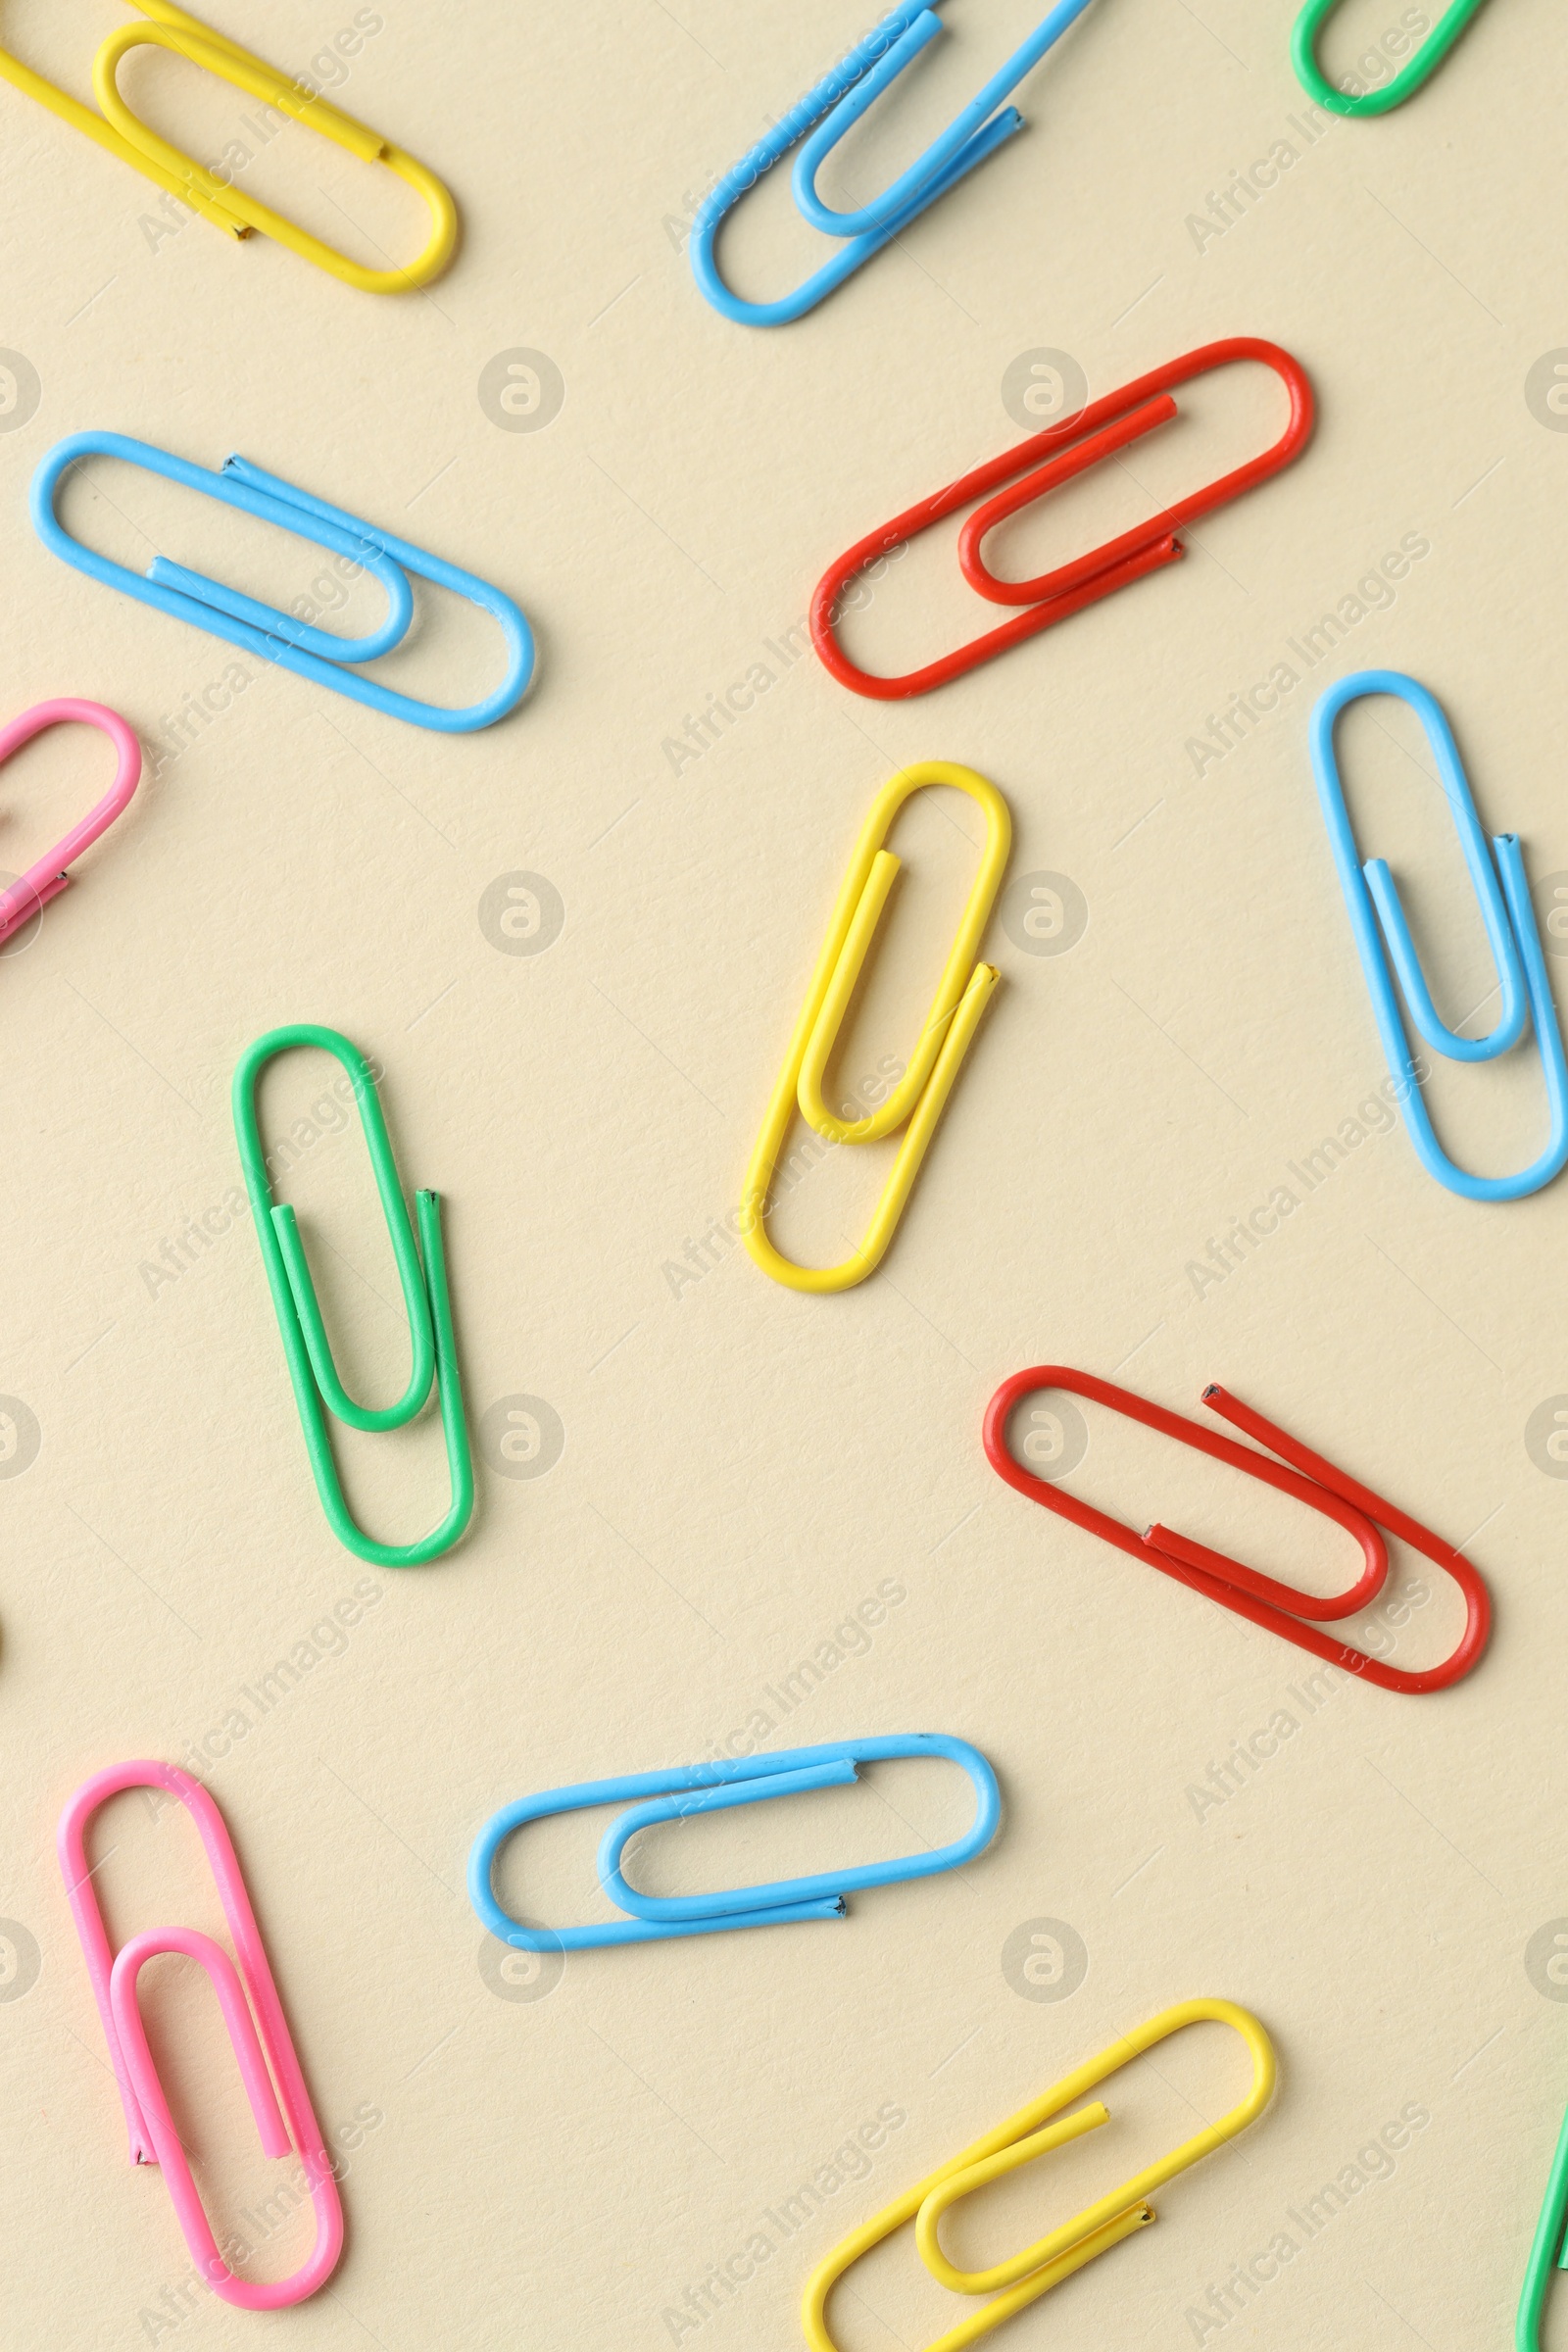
[(262, 630), (843, 95), (695, 1789), (1383, 936)]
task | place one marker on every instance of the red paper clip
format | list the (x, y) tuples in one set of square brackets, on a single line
[(1278, 1608), (1070, 447)]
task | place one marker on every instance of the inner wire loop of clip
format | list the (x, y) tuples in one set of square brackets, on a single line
[(916, 1102), (1045, 461), (1279, 1608), (279, 2101), (1025, 2135)]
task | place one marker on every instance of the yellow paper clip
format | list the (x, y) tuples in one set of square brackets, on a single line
[(219, 201), (918, 1097), (1020, 2139)]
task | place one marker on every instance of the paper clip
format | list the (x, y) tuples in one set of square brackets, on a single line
[(962, 994), (1278, 1608), (1425, 63), (260, 630), (1096, 433), (1548, 2253), (1372, 898), (22, 899), (843, 95), (220, 201), (257, 2028), (426, 1303), (695, 1788), (1018, 2141)]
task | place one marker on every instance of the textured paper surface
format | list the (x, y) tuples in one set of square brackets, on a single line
[(741, 1469)]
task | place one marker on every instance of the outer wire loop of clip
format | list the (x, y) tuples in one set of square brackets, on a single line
[(260, 629), (843, 95), (124, 136), (1425, 63), (1299, 1473), (1030, 2133), (258, 2029), (1045, 460), (426, 1300), (1383, 937), (961, 996), (21, 900), (687, 1791)]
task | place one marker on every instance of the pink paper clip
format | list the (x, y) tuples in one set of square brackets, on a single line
[(21, 900), (248, 1998)]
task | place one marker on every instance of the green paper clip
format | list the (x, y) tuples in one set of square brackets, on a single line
[(1548, 2253), (318, 1388), (1425, 63)]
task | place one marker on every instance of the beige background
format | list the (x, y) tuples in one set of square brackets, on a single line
[(742, 1466)]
